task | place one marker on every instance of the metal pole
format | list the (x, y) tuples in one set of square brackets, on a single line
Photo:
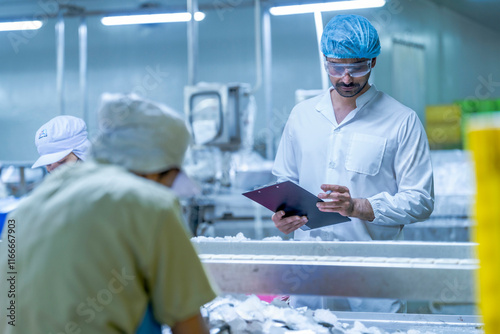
[(82, 35), (258, 47), (318, 21), (60, 62), (192, 39), (268, 91), (23, 188)]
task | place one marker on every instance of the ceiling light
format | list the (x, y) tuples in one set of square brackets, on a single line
[(326, 7), (20, 25), (150, 18)]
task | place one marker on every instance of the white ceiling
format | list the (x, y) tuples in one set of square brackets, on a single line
[(485, 12)]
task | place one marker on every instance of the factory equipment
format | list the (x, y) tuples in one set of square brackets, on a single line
[(221, 118), (19, 177), (16, 180), (247, 314), (454, 191), (405, 270), (222, 159), (434, 272), (6, 206), (217, 114)]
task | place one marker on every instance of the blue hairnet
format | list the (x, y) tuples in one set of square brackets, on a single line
[(350, 36)]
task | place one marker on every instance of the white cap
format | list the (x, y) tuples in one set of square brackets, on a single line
[(59, 137), (140, 135)]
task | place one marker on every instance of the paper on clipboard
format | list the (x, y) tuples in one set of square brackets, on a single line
[(295, 200)]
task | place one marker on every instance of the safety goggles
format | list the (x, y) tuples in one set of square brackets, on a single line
[(355, 70)]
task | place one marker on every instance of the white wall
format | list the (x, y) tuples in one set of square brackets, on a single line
[(459, 55)]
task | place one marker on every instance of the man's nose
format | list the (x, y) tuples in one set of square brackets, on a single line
[(346, 78)]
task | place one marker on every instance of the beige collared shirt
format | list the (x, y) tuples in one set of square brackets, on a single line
[(94, 245)]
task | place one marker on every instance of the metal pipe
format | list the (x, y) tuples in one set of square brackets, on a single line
[(82, 35), (318, 22), (258, 47), (23, 187), (268, 92), (192, 41), (60, 62)]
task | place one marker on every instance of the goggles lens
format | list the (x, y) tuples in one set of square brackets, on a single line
[(355, 70)]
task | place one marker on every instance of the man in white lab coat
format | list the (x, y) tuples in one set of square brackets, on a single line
[(367, 150)]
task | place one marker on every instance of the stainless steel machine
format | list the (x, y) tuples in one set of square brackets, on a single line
[(222, 159), (415, 271), (217, 114)]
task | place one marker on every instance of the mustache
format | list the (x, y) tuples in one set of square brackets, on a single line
[(352, 84)]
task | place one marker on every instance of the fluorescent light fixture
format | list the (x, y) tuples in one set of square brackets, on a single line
[(150, 18), (20, 25), (199, 16), (326, 7)]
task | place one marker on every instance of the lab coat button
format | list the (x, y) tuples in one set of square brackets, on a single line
[(332, 164)]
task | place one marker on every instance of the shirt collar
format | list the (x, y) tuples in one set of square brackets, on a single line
[(366, 96), (324, 106)]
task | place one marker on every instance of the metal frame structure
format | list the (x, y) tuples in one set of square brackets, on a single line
[(441, 272), (417, 271)]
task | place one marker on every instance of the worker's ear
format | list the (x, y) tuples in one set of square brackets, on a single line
[(374, 61)]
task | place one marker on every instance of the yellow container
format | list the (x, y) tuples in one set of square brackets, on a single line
[(443, 124), (445, 113), (444, 134), (484, 142)]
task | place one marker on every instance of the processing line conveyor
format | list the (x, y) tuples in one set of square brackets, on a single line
[(441, 272), (417, 271)]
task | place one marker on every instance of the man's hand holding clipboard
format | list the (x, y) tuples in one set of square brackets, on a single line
[(295, 207), (342, 202)]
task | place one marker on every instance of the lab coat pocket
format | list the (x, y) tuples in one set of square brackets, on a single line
[(365, 154)]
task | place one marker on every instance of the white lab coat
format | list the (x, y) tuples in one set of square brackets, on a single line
[(379, 151)]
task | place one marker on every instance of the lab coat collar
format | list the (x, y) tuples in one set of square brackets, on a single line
[(366, 96), (325, 107)]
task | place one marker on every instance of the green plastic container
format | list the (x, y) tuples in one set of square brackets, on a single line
[(486, 105), (467, 106)]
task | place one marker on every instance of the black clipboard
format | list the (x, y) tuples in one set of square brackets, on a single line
[(295, 200)]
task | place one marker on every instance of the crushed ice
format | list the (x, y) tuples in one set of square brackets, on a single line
[(241, 237), (240, 314)]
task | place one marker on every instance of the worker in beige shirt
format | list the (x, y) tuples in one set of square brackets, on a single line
[(97, 243)]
